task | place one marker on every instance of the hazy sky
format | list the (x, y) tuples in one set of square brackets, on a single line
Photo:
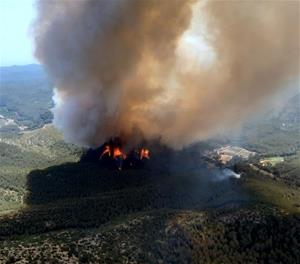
[(15, 43)]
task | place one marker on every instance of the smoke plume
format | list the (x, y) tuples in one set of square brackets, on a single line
[(177, 70)]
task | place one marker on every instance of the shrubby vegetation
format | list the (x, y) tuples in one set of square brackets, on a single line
[(85, 195), (169, 236), (20, 154)]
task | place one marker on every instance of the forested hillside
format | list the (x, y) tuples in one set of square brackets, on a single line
[(57, 208)]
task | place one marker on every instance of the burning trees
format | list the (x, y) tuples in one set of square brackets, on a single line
[(112, 156), (117, 159)]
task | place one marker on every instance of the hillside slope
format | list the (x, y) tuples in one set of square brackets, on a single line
[(22, 153)]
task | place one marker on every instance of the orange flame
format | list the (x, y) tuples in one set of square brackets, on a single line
[(106, 151), (118, 153), (145, 154)]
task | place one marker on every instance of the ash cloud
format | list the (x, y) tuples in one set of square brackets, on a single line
[(177, 70)]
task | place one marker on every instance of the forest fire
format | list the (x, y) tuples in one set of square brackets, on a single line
[(117, 153), (113, 156), (144, 154), (106, 151)]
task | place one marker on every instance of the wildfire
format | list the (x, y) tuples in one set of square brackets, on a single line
[(106, 151), (144, 154), (115, 155), (118, 153)]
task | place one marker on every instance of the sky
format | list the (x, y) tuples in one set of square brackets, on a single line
[(16, 45)]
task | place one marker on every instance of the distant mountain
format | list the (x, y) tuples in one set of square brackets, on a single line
[(290, 115), (22, 73), (25, 96)]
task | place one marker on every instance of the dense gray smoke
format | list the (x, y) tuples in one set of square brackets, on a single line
[(179, 70)]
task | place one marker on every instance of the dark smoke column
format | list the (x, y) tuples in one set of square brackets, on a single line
[(119, 71), (101, 55)]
